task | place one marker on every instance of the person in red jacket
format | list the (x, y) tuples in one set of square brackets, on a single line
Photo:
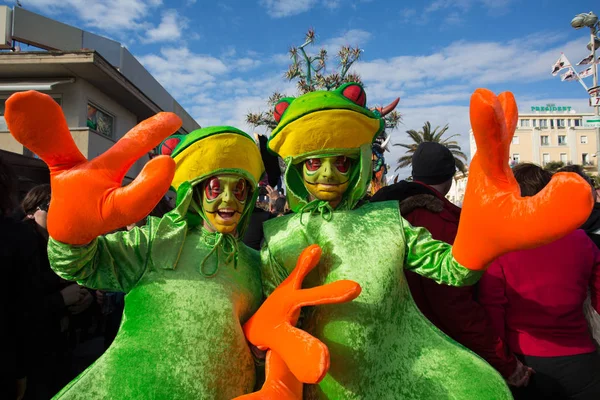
[(452, 309), (535, 301)]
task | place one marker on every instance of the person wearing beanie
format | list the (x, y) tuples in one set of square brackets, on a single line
[(452, 309), (433, 164)]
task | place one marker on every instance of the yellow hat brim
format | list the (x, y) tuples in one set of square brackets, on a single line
[(226, 152), (325, 130)]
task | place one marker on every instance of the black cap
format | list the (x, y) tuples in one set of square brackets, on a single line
[(432, 163)]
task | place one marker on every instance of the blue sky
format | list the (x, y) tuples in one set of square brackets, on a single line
[(221, 59)]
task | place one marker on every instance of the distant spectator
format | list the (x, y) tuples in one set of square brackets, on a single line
[(278, 207), (535, 299), (60, 300), (592, 225)]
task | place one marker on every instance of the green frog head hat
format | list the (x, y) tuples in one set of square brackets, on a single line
[(325, 138), (216, 175)]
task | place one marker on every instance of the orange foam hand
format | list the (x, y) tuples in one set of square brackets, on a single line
[(495, 219), (280, 383), (272, 326), (87, 197)]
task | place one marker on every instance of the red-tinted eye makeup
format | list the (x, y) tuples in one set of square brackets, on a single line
[(240, 190), (212, 190), (342, 164), (313, 164)]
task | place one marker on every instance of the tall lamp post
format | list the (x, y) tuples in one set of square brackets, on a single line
[(590, 20)]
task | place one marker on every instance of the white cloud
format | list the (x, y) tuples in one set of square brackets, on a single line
[(454, 18), (408, 15), (169, 29), (331, 4), (280, 59), (352, 37), (493, 6), (210, 88), (183, 72), (286, 8), (470, 63), (108, 15), (438, 5), (246, 63), (119, 18), (234, 99)]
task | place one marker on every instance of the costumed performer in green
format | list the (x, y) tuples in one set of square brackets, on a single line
[(381, 346)]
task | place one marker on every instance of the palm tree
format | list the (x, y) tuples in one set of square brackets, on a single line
[(427, 135)]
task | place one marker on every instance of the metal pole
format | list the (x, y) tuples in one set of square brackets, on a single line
[(596, 108)]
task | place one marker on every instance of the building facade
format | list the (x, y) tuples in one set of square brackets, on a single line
[(456, 194), (102, 89), (552, 133)]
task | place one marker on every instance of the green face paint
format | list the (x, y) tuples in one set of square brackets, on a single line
[(327, 178), (223, 201)]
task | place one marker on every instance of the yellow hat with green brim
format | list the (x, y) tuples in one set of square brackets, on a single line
[(331, 121), (211, 151)]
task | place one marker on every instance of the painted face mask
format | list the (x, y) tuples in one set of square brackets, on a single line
[(327, 178), (223, 201)]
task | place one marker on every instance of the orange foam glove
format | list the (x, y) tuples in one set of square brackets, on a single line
[(272, 326), (87, 197), (280, 383), (495, 219)]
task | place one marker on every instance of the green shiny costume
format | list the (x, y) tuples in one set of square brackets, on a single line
[(181, 335), (381, 346)]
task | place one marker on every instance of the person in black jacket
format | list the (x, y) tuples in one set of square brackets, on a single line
[(14, 256), (53, 302)]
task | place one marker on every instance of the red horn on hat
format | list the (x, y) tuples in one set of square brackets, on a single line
[(387, 109)]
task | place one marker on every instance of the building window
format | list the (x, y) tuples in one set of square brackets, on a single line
[(99, 120), (534, 122), (544, 140), (543, 123), (585, 159), (516, 158), (568, 122), (560, 123), (562, 140), (3, 126), (583, 140), (577, 122), (563, 158), (545, 158), (524, 123), (515, 140), (551, 124)]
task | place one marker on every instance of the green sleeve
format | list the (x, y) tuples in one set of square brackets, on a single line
[(433, 259), (113, 262)]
